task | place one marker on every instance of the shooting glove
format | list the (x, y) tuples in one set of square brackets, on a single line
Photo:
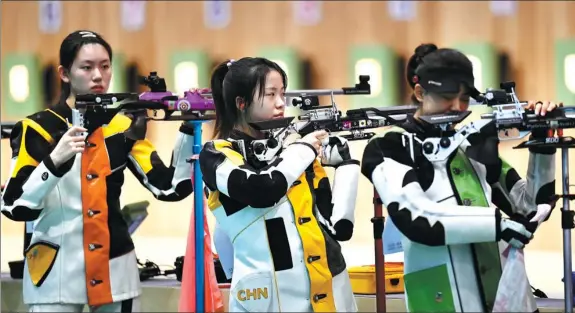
[(335, 151), (541, 214), (515, 232), (139, 126), (543, 211)]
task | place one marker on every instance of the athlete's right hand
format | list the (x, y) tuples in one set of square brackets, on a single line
[(314, 139), (69, 145), (516, 234)]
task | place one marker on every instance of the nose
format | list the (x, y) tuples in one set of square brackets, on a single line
[(281, 102), (97, 75), (457, 105)]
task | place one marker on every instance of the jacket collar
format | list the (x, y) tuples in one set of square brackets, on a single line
[(61, 108), (239, 135)]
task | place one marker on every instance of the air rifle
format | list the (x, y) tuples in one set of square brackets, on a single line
[(94, 110), (355, 122)]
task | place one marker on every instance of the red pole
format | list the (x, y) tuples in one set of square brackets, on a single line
[(378, 221)]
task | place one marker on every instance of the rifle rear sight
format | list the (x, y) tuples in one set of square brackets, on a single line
[(503, 96), (154, 82)]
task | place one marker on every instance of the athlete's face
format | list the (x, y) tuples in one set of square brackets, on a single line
[(271, 104), (433, 103), (90, 72)]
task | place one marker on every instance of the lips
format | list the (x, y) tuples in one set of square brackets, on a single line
[(97, 88)]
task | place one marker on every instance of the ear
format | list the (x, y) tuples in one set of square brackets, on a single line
[(63, 73), (418, 92), (240, 103)]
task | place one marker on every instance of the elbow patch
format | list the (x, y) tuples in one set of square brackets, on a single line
[(14, 190), (323, 198), (22, 214), (546, 194), (418, 230), (343, 230), (260, 190)]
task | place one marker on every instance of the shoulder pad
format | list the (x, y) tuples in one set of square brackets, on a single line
[(388, 130)]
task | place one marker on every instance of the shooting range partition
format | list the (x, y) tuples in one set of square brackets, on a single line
[(191, 69), (565, 71), (22, 82), (118, 82), (380, 62)]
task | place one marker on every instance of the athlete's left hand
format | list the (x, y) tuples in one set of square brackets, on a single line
[(200, 90), (542, 107), (543, 211), (335, 151)]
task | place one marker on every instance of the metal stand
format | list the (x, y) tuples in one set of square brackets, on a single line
[(567, 224), (378, 221), (199, 220)]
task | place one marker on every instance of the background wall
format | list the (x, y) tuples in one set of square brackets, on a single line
[(527, 37)]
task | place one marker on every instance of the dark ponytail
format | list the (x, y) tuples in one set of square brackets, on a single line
[(415, 61), (69, 50), (238, 79), (217, 86)]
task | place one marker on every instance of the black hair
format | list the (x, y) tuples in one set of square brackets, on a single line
[(69, 50), (435, 58), (233, 79)]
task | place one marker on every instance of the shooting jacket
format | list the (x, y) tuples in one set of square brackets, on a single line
[(447, 214), (81, 251), (279, 219)]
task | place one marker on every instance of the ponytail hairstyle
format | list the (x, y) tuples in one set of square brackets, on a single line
[(438, 62), (69, 50), (238, 81)]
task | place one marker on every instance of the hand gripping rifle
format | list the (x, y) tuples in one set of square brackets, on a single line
[(328, 117), (510, 114), (94, 110)]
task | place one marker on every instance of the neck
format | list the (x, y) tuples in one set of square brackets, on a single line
[(71, 101), (417, 114), (250, 131)]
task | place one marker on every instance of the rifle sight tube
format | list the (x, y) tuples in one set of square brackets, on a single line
[(313, 92)]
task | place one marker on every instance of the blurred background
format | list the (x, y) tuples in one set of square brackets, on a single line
[(321, 44)]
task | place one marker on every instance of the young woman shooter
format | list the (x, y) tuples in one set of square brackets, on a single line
[(450, 213), (283, 218), (81, 252)]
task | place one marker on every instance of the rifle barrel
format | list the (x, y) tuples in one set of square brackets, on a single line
[(313, 92)]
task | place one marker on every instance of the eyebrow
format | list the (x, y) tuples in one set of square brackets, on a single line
[(273, 88), (92, 62)]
